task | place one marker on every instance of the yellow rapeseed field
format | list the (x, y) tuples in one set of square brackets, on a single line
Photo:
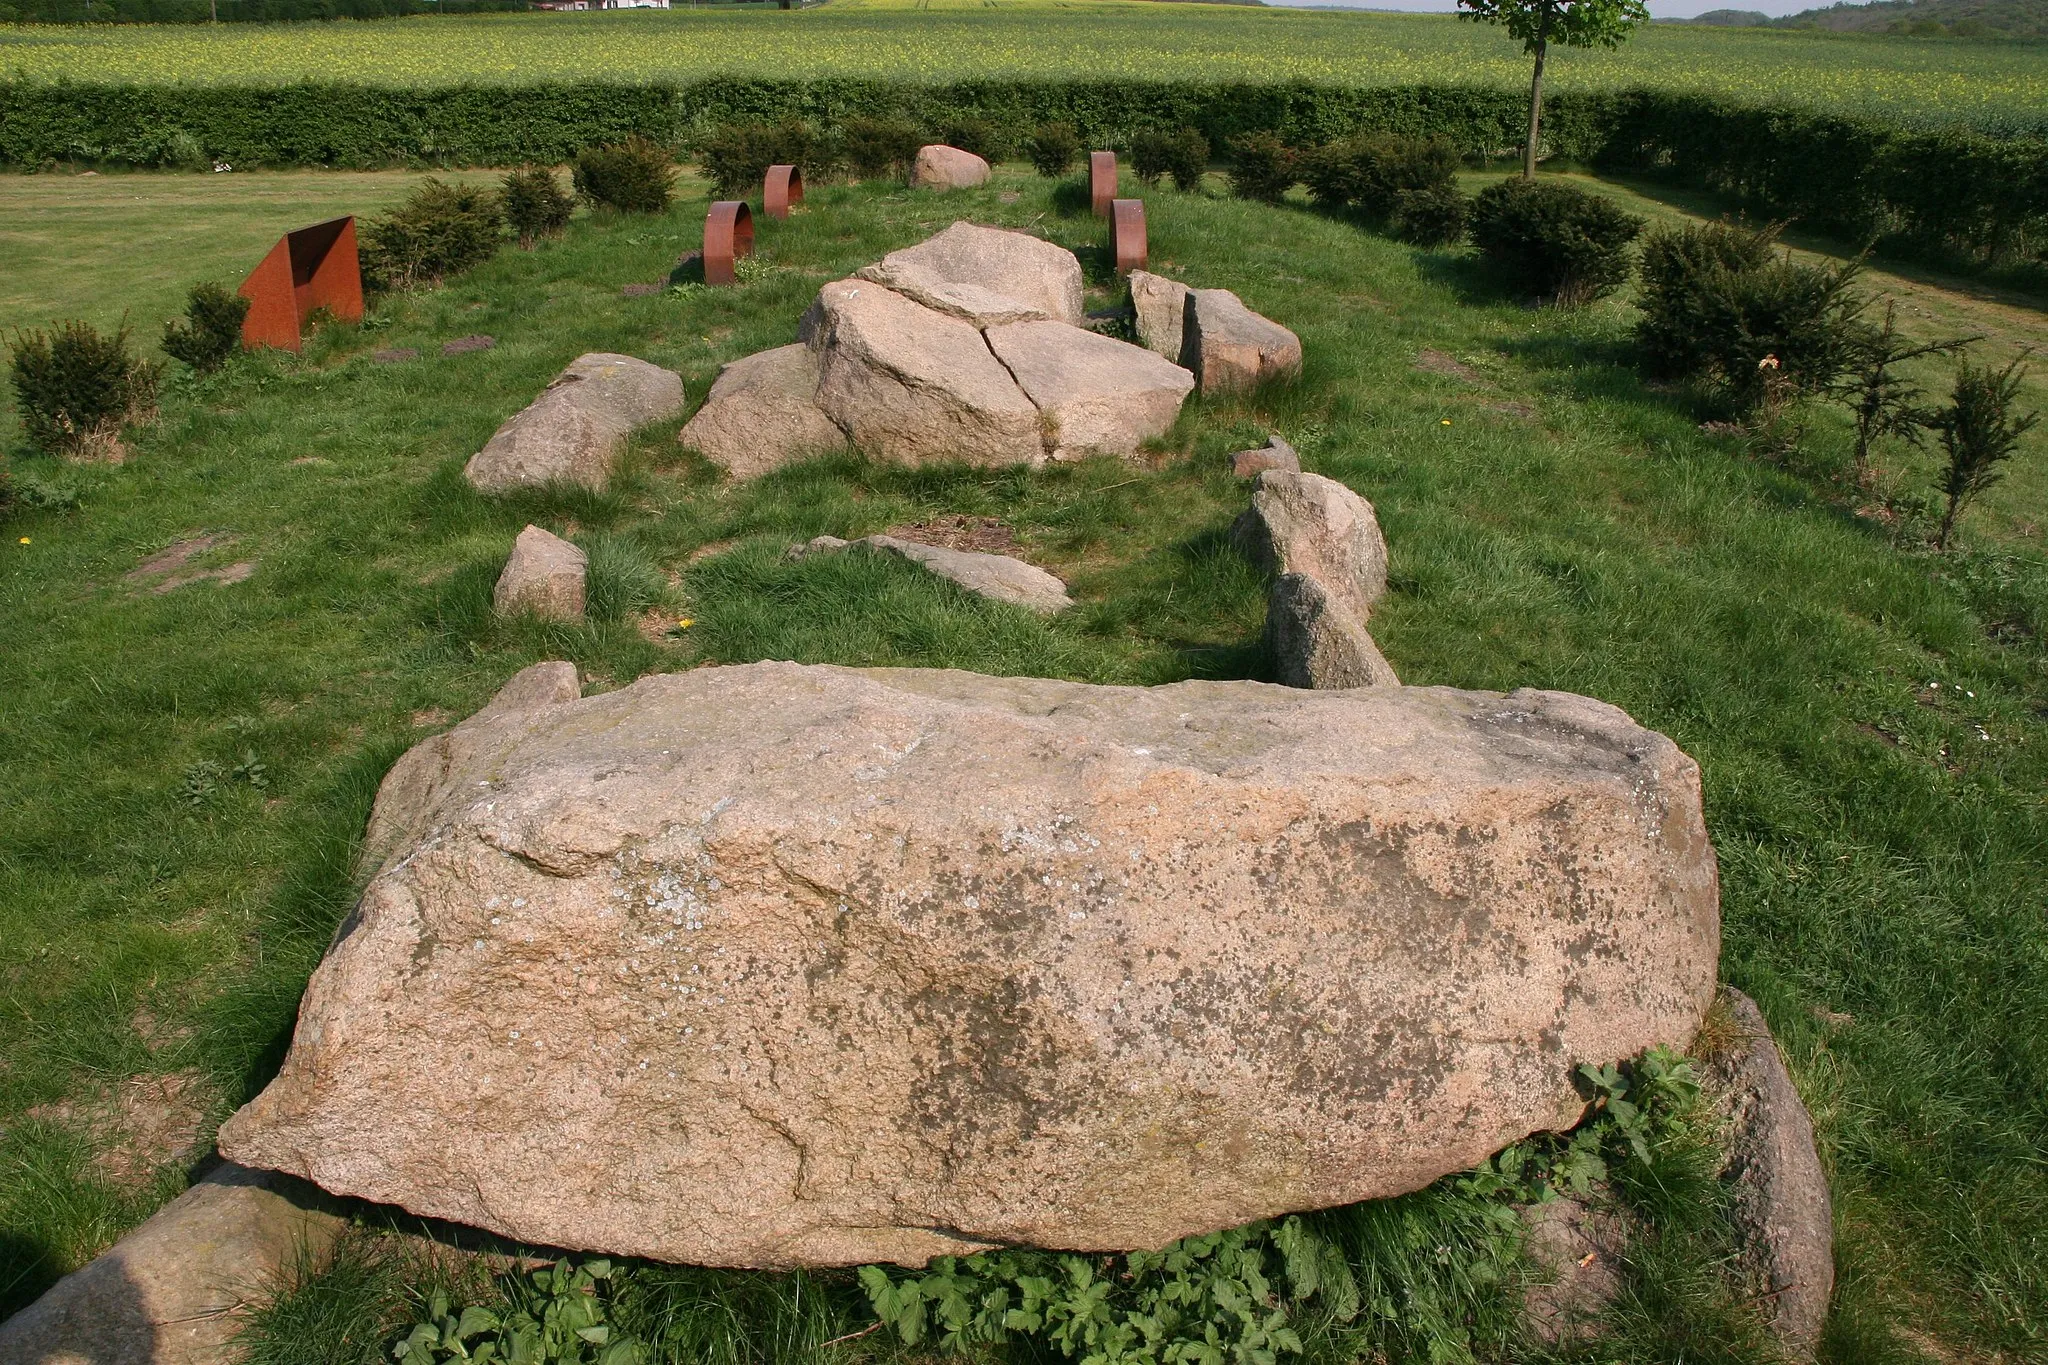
[(941, 40)]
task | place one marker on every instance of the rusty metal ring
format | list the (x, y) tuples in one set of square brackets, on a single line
[(1101, 181), (783, 189), (1127, 235), (728, 235)]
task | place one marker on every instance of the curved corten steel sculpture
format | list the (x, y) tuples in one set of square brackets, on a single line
[(1101, 181), (783, 190), (728, 235), (1127, 234), (312, 268)]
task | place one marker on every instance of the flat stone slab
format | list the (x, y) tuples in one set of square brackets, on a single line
[(783, 965), (1099, 396), (394, 355), (169, 1292), (575, 430), (984, 275), (1000, 578), (762, 413)]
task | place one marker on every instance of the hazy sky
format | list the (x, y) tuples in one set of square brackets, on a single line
[(1663, 9)]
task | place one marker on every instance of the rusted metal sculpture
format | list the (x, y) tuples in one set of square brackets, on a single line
[(1127, 234), (313, 268), (1102, 181), (728, 235), (783, 190)]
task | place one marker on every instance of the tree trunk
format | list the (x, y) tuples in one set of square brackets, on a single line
[(1536, 97)]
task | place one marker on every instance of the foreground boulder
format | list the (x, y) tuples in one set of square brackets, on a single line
[(780, 965), (1230, 348), (168, 1292), (939, 167), (1000, 578), (762, 413), (987, 276), (544, 577), (913, 386), (574, 431), (1098, 395)]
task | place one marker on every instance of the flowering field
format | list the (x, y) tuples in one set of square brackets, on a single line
[(1983, 83)]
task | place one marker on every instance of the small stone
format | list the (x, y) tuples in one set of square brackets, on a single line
[(544, 578), (1307, 524), (575, 429), (395, 355), (1230, 348), (1160, 307), (939, 167), (999, 578), (641, 291), (1275, 454), (464, 345)]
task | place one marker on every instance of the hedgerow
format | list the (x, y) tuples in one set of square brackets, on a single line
[(1958, 192)]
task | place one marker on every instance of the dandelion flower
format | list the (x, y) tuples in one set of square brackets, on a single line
[(686, 623), (24, 540), (1446, 421)]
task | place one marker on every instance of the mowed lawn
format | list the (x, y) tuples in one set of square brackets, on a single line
[(1990, 82), (183, 769)]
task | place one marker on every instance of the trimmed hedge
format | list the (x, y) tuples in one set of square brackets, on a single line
[(1954, 191)]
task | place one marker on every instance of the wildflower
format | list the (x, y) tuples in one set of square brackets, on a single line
[(1446, 421), (686, 623), (24, 540), (1769, 362)]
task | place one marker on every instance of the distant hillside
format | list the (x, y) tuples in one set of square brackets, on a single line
[(1906, 18)]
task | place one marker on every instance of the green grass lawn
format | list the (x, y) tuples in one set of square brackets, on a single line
[(1871, 723), (916, 40)]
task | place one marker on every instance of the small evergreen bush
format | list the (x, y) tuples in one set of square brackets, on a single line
[(440, 230), (1554, 241), (1262, 167), (1721, 305), (1980, 430), (1367, 174), (736, 157), (535, 204), (1054, 148), (1183, 155), (1432, 217), (875, 147), (76, 388), (211, 331), (635, 176)]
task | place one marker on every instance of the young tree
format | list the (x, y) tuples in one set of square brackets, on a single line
[(1884, 402), (1979, 431), (1539, 23)]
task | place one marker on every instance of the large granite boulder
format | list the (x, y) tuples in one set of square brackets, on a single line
[(545, 577), (939, 167), (574, 431), (168, 1292), (1230, 348), (781, 965), (987, 276), (762, 413), (1099, 396), (913, 386)]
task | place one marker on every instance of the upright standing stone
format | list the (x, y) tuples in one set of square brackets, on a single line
[(1318, 642), (1307, 524), (1160, 309), (544, 578), (1230, 348)]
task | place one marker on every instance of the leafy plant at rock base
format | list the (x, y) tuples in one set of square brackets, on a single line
[(535, 204), (1539, 23), (1262, 167), (75, 388), (559, 1318), (1555, 241), (211, 331), (1979, 432), (1885, 403), (634, 176), (875, 147), (1053, 149), (440, 230)]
